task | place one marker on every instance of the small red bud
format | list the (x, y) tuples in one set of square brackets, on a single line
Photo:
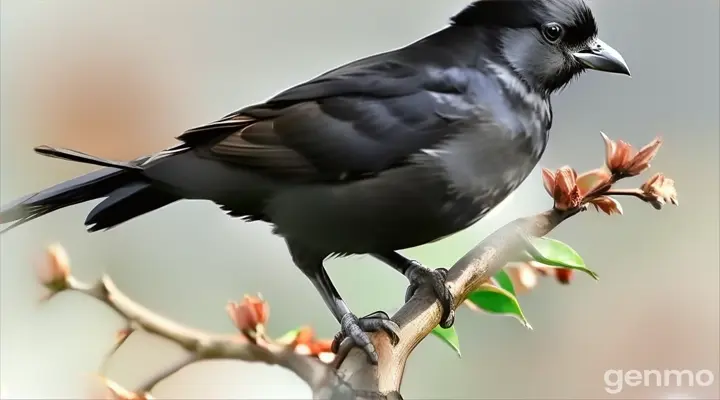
[(563, 275), (249, 314)]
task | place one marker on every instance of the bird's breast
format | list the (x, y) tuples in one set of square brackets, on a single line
[(502, 97), (487, 163)]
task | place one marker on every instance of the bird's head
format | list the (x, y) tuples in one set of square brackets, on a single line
[(546, 42)]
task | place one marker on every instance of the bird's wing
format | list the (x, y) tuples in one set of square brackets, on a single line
[(354, 121)]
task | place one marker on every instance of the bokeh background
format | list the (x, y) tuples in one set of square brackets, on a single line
[(120, 79)]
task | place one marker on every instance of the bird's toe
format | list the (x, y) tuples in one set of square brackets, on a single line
[(355, 329), (419, 275)]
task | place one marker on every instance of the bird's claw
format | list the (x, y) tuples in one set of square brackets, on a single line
[(419, 275), (355, 330)]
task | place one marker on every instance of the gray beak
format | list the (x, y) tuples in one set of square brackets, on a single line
[(601, 57)]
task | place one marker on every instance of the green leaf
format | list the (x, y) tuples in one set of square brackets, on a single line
[(503, 280), (496, 300), (448, 336), (288, 337), (555, 253)]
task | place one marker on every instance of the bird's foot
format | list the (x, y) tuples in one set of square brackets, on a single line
[(419, 275), (354, 329)]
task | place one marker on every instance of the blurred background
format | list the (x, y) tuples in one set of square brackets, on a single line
[(120, 79)]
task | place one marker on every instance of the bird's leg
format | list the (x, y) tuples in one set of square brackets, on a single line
[(418, 275), (351, 327)]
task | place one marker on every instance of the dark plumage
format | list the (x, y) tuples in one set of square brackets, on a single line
[(518, 14), (388, 152)]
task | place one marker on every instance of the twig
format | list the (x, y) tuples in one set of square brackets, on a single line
[(628, 192), (203, 345), (154, 380)]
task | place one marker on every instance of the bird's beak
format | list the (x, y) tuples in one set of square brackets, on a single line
[(601, 57)]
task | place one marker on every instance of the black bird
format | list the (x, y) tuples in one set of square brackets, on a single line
[(388, 152)]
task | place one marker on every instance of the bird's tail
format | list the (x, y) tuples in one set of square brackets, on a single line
[(128, 193)]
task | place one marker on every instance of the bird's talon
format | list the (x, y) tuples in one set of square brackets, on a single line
[(442, 272), (355, 329), (337, 342), (418, 275), (449, 321)]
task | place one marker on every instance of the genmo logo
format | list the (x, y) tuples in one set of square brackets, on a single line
[(617, 379)]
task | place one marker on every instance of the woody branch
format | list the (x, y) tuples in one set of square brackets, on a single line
[(350, 374)]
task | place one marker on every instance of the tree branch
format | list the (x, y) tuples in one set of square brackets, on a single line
[(422, 313), (628, 192), (350, 376), (203, 345)]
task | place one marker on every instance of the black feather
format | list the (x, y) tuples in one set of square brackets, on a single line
[(73, 155), (84, 188), (515, 14), (126, 203), (574, 15)]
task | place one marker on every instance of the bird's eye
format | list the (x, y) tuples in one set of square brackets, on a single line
[(552, 32)]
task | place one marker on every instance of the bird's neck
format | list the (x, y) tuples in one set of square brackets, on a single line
[(476, 47), (453, 46)]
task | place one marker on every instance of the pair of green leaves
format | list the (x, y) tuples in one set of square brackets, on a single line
[(498, 297)]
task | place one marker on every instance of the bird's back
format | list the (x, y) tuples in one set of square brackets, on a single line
[(440, 190), (389, 152)]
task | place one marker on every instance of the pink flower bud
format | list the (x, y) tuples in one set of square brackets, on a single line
[(54, 271), (249, 314)]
